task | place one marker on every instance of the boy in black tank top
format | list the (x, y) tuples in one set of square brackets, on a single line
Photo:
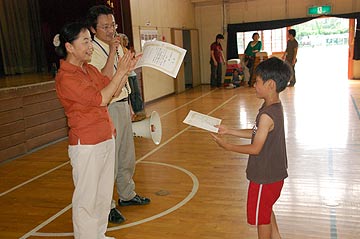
[(267, 164)]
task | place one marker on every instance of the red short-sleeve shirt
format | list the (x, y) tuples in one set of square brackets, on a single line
[(79, 93), (217, 48)]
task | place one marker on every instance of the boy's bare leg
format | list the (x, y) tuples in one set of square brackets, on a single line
[(275, 234), (269, 231), (264, 231)]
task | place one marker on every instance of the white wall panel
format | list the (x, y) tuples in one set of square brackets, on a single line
[(161, 15)]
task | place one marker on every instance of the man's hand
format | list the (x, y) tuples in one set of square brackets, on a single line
[(114, 44)]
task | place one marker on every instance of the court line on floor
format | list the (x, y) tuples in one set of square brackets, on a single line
[(182, 131), (49, 220), (333, 222), (191, 101), (34, 178), (46, 222), (355, 106), (194, 190), (59, 166)]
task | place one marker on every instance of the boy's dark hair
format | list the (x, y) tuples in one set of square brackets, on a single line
[(219, 36), (276, 70), (292, 32), (94, 12), (69, 33)]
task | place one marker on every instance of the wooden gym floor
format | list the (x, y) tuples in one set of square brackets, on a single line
[(197, 189)]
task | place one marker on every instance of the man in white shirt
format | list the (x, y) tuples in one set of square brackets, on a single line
[(107, 49)]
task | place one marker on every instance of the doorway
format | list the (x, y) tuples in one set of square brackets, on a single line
[(323, 51), (189, 73), (187, 59)]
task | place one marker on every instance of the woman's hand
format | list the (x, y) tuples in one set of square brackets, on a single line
[(128, 62), (135, 59), (125, 63)]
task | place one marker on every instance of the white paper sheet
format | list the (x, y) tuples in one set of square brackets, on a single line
[(162, 56), (202, 121)]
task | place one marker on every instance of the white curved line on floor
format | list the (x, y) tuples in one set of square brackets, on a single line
[(48, 221), (177, 206), (33, 232)]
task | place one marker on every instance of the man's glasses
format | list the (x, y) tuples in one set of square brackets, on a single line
[(106, 28)]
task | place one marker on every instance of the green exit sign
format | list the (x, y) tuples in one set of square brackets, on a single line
[(322, 10)]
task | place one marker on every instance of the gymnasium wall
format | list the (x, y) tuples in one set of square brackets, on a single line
[(211, 20), (161, 15)]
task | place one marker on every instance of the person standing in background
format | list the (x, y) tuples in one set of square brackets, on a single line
[(136, 100), (291, 53), (252, 48), (107, 50), (216, 61)]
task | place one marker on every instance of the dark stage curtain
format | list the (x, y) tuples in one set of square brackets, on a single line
[(357, 40), (232, 51), (21, 43)]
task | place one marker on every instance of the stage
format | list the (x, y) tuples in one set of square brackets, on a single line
[(21, 80), (31, 116)]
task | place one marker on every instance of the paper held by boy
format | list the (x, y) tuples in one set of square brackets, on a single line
[(202, 121), (162, 56)]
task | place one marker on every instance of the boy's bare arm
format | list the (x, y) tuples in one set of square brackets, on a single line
[(242, 133), (266, 124)]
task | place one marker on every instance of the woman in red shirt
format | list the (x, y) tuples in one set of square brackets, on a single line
[(84, 93)]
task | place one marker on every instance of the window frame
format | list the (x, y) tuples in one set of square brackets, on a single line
[(245, 38)]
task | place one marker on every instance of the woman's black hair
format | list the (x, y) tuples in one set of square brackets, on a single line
[(69, 33), (255, 33), (219, 36)]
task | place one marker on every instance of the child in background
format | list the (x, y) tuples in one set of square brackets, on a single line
[(236, 78), (267, 164)]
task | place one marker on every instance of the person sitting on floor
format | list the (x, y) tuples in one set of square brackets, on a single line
[(237, 80)]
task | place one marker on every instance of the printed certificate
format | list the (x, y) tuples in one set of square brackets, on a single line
[(202, 121), (162, 56)]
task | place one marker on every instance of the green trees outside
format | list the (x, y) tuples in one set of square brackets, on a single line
[(323, 31)]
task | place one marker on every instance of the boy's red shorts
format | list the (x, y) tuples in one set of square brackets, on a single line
[(261, 198)]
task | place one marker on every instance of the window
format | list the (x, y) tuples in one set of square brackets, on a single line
[(272, 40), (243, 38)]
